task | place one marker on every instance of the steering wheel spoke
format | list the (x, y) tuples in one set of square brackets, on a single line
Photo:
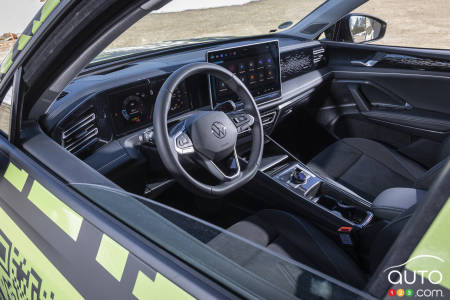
[(242, 120), (181, 141), (232, 171)]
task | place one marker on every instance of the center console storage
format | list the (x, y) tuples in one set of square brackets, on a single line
[(286, 181)]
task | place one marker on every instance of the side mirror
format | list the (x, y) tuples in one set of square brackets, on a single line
[(357, 28), (366, 28)]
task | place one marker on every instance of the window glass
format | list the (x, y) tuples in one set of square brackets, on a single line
[(14, 18), (195, 242), (412, 23), (5, 112), (183, 22)]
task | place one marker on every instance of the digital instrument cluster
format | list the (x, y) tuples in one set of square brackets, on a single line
[(257, 66), (132, 106)]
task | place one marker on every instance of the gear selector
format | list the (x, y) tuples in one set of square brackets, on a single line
[(298, 177)]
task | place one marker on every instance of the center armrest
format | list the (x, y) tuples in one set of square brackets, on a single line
[(392, 202)]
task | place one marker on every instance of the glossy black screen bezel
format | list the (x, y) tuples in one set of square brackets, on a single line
[(251, 48)]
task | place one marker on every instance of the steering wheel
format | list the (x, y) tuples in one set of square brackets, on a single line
[(208, 137)]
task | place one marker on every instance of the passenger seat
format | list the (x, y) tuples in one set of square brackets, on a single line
[(368, 167)]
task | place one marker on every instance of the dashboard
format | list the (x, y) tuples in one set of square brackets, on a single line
[(100, 111)]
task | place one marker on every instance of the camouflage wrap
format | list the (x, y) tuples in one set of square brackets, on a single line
[(49, 251), (27, 35)]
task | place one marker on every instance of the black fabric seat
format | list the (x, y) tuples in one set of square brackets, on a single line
[(368, 167), (291, 237)]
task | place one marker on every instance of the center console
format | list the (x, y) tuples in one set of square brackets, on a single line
[(299, 180), (285, 181)]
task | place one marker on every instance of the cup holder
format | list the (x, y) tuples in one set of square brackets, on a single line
[(350, 212)]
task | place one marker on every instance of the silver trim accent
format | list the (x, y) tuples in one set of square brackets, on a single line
[(299, 98), (90, 135), (86, 138), (237, 164), (318, 54), (67, 133), (273, 114), (182, 151), (393, 73), (367, 220), (299, 186), (369, 63)]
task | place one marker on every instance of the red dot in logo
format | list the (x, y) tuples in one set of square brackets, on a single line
[(391, 292)]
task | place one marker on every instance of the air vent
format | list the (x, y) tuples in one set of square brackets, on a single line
[(268, 118), (80, 135), (318, 55)]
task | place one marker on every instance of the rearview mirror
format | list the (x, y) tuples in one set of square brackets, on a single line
[(357, 28), (365, 29)]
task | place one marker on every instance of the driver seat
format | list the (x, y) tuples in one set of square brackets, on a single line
[(295, 238)]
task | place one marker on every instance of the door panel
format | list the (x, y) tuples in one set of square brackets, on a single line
[(56, 245), (421, 89), (397, 96)]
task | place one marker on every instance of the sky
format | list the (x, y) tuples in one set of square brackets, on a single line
[(181, 5), (16, 14)]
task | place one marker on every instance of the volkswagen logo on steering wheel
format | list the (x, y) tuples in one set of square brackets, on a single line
[(219, 130)]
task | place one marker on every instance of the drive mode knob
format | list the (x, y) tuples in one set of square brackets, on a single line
[(298, 177)]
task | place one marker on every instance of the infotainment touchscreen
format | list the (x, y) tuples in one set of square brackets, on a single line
[(257, 66)]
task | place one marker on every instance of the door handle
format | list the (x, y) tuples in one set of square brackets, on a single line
[(370, 62)]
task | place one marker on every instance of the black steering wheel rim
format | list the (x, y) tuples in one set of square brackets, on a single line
[(164, 142)]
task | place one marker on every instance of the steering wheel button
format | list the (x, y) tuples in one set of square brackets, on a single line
[(183, 141), (242, 118)]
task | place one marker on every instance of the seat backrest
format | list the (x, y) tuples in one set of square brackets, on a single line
[(443, 155), (445, 150), (424, 182), (387, 236)]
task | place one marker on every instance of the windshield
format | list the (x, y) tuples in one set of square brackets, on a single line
[(182, 22)]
